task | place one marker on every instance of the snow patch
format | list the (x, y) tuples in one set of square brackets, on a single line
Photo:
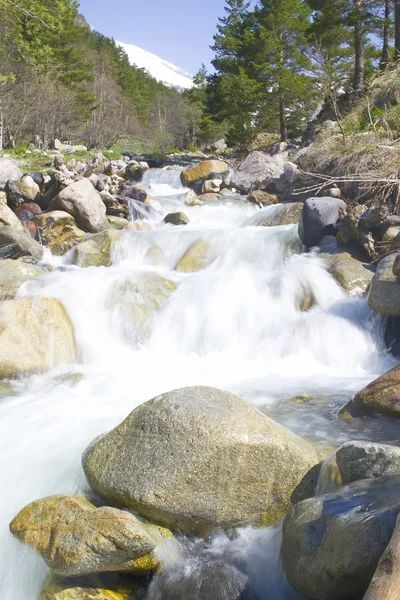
[(159, 68)]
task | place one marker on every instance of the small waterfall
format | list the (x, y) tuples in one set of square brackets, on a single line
[(256, 316)]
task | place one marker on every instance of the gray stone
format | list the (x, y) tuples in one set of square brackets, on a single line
[(9, 170), (9, 218), (15, 243), (384, 295), (198, 458), (259, 170), (365, 460), (14, 273), (332, 544), (319, 218), (352, 275), (284, 214), (84, 203), (177, 218)]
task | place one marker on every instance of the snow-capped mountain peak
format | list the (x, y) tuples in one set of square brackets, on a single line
[(158, 68)]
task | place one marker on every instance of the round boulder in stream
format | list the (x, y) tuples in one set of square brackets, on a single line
[(199, 458), (332, 544)]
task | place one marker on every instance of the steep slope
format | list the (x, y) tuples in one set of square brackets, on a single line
[(160, 69)]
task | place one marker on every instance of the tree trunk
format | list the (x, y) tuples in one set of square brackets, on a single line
[(282, 117), (359, 66), (397, 29), (385, 46)]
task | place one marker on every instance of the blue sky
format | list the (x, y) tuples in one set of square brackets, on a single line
[(179, 31)]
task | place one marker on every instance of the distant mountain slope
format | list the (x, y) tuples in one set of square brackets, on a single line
[(159, 68)]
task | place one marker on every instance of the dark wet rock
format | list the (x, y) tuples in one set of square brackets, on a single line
[(130, 191), (15, 243), (191, 441), (319, 218), (385, 584), (14, 196), (332, 544), (384, 294)]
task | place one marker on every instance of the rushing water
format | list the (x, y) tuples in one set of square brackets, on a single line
[(235, 325)]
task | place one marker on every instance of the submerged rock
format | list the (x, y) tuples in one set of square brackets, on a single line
[(84, 203), (35, 335), (332, 544), (198, 458), (366, 460), (75, 538), (195, 258), (352, 275), (96, 251), (382, 396), (14, 273), (384, 295), (58, 230), (94, 587), (15, 243), (285, 214)]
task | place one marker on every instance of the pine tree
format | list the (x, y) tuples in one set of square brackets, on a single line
[(231, 39), (282, 63)]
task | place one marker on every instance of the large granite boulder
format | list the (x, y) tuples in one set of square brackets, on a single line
[(260, 171), (198, 458), (58, 230), (366, 460), (319, 218), (84, 203), (14, 273), (9, 170), (15, 243), (9, 219), (96, 251), (384, 294), (74, 538), (382, 396), (194, 177), (332, 544), (35, 335)]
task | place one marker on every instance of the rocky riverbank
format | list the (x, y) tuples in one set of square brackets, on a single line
[(196, 461)]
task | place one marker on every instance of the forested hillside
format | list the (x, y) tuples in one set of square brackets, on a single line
[(58, 79)]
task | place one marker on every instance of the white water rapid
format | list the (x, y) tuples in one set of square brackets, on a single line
[(235, 325)]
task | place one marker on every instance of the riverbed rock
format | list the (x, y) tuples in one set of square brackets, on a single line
[(263, 198), (14, 273), (177, 218), (366, 460), (385, 584), (117, 222), (351, 274), (84, 203), (29, 188), (212, 185), (35, 336), (382, 396), (199, 458), (192, 199), (15, 243), (332, 544), (210, 197), (134, 301), (96, 251), (14, 196), (9, 218), (108, 586), (285, 214), (384, 294), (260, 170), (319, 218), (58, 230), (75, 538), (9, 170), (195, 258), (194, 177)]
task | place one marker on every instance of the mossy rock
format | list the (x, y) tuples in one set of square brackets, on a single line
[(96, 250), (14, 273), (58, 230), (195, 258)]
